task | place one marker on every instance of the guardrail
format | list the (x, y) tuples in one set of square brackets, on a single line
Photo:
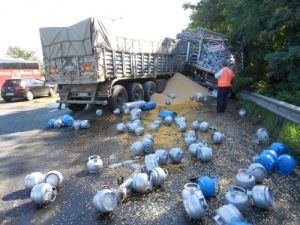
[(286, 110)]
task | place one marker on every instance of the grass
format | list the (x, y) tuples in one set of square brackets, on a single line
[(281, 129)]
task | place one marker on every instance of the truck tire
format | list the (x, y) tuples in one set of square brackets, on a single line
[(135, 92), (160, 85), (149, 89), (119, 96), (77, 107)]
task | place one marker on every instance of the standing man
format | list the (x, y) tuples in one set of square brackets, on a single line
[(224, 77)]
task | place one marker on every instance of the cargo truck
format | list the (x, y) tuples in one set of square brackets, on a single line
[(92, 66), (201, 54)]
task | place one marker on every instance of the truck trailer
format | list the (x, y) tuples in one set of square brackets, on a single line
[(92, 66)]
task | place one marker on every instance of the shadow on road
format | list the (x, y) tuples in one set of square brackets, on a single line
[(20, 194)]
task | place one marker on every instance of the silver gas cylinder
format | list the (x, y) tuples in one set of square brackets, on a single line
[(162, 156), (99, 112), (238, 197), (137, 148), (139, 130), (121, 127), (204, 126), (205, 153), (85, 124), (195, 125), (94, 164), (117, 111), (54, 178), (227, 214), (176, 155), (258, 171), (193, 148), (105, 201), (245, 179), (262, 136), (32, 179), (141, 183), (158, 176), (168, 120), (151, 161), (262, 197), (190, 137), (193, 200), (217, 137), (148, 145), (242, 113), (43, 193)]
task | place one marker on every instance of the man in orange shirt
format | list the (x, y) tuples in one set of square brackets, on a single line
[(224, 77)]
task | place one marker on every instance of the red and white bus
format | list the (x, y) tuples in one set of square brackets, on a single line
[(14, 69)]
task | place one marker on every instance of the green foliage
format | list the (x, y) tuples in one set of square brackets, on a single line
[(281, 130), (270, 36), (18, 52), (290, 135)]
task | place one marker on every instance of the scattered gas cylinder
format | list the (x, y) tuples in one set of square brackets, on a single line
[(193, 200), (141, 183), (94, 164), (54, 178), (58, 123), (285, 164), (67, 120), (262, 197), (195, 125), (209, 186), (149, 105), (105, 201), (245, 179), (168, 120), (217, 137), (176, 155), (266, 160), (171, 95), (190, 137), (148, 145), (205, 153), (139, 130), (238, 197), (51, 123), (131, 105), (154, 127), (242, 113), (162, 156), (165, 113), (99, 112), (258, 171), (227, 214), (272, 153), (149, 136), (262, 136), (137, 148), (121, 127), (279, 148), (85, 124), (194, 148), (43, 193), (135, 114), (151, 161), (204, 126), (32, 179), (158, 176), (117, 111)]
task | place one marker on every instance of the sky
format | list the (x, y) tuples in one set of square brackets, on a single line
[(20, 20)]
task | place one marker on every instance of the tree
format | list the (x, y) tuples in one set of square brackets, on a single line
[(17, 52), (270, 35)]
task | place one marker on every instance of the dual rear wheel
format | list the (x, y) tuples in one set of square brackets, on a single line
[(134, 92)]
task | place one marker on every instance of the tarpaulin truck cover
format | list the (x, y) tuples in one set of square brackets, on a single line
[(80, 39)]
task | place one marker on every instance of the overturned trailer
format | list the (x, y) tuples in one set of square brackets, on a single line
[(201, 53), (92, 66)]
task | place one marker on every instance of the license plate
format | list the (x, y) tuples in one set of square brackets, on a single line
[(9, 94), (83, 94)]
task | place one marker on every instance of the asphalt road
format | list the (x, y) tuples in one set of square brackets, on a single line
[(27, 145)]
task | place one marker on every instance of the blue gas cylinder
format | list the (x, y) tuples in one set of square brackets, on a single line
[(279, 148), (165, 113), (51, 123), (285, 164), (266, 160), (208, 185), (67, 120), (149, 105), (271, 153)]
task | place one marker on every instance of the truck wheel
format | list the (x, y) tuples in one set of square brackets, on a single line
[(29, 96), (119, 96), (160, 85), (135, 92), (77, 107), (149, 89)]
